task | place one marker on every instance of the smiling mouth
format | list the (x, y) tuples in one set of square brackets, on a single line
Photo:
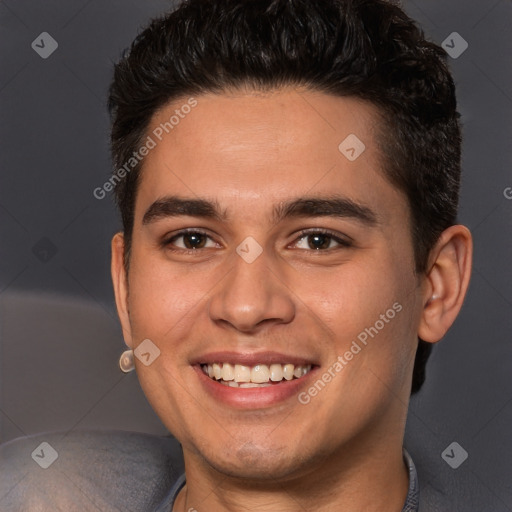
[(257, 376)]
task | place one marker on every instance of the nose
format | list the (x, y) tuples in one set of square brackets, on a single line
[(252, 296)]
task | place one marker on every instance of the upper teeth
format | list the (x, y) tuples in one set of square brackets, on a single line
[(258, 374)]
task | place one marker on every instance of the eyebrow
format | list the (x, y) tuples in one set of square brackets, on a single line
[(334, 206), (173, 206)]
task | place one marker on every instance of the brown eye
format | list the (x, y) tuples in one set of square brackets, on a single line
[(319, 241), (189, 241), (194, 240)]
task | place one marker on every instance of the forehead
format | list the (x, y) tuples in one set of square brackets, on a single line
[(264, 148)]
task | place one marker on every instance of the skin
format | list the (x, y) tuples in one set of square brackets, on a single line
[(249, 152)]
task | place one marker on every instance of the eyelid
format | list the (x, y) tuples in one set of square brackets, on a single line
[(343, 240), (169, 238)]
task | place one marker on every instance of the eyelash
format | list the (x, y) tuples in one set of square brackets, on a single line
[(343, 243)]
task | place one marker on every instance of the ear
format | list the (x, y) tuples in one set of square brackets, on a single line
[(446, 282), (120, 282)]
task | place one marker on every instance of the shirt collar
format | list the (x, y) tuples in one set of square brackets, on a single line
[(413, 495)]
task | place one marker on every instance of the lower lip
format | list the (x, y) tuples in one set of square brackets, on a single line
[(253, 398)]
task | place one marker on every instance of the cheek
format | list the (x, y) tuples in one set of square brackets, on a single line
[(386, 332), (371, 305), (161, 300), (354, 296)]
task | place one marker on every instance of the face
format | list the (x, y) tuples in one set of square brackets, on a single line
[(260, 242)]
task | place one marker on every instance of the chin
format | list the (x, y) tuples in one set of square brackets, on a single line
[(256, 463), (254, 468)]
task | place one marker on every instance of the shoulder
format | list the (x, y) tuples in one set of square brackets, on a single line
[(88, 470)]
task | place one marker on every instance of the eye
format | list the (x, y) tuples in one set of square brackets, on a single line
[(190, 241), (321, 241)]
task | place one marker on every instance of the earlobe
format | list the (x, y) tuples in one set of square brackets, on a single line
[(120, 283), (447, 282)]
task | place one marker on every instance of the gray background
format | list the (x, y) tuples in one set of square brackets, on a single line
[(59, 335)]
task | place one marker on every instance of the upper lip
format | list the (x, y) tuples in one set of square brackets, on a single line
[(251, 358)]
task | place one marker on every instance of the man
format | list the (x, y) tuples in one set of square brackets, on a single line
[(287, 173), (290, 247)]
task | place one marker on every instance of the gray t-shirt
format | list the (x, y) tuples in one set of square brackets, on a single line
[(110, 471)]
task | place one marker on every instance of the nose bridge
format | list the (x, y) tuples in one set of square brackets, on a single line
[(251, 292)]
